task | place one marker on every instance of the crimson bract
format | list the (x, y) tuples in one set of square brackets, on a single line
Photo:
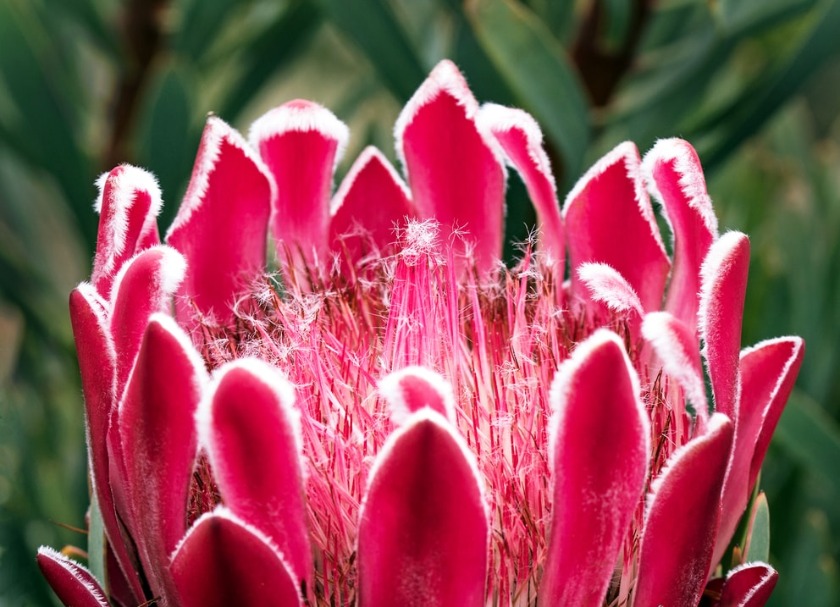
[(392, 417)]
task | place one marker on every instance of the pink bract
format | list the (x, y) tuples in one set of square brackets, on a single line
[(395, 418)]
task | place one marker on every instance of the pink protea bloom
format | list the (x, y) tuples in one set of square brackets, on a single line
[(394, 418)]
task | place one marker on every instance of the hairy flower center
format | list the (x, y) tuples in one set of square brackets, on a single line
[(498, 343)]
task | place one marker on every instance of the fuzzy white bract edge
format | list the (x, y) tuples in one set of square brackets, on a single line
[(76, 570), (390, 388), (607, 285), (368, 155)]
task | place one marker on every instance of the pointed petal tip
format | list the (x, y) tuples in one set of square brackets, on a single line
[(625, 152), (371, 155), (414, 388), (691, 179), (216, 133), (73, 583)]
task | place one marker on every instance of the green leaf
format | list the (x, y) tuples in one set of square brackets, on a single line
[(737, 16), (96, 542), (42, 122), (758, 533), (271, 51), (168, 136), (811, 571), (617, 15), (376, 31), (536, 68), (745, 115), (811, 436), (201, 21)]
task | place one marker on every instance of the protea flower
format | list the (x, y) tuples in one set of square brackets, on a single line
[(392, 417)]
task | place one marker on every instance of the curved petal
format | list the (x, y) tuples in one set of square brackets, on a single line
[(677, 349), (454, 170), (157, 432), (74, 585), (423, 528), (610, 288), (97, 363), (249, 412), (749, 585), (723, 287), (598, 450), (300, 142), (370, 204), (682, 519), (221, 227), (674, 176), (609, 220), (128, 205), (522, 141), (768, 372), (144, 286), (223, 561)]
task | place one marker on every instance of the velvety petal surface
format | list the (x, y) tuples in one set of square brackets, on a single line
[(455, 171), (223, 561), (97, 363), (676, 347), (157, 431), (723, 287), (599, 447), (128, 204), (423, 529), (74, 585), (749, 586), (221, 227), (675, 177), (143, 286), (247, 417), (768, 372), (522, 141), (609, 219), (610, 288), (682, 518), (300, 142), (371, 203)]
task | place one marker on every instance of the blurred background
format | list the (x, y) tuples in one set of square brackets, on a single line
[(87, 84)]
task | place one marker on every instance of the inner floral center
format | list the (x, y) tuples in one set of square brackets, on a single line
[(498, 343)]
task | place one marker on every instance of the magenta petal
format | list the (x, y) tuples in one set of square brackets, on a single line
[(610, 288), (370, 204), (423, 528), (96, 354), (454, 169), (128, 204), (598, 450), (222, 561), (724, 285), (682, 518), (609, 220), (157, 429), (221, 227), (249, 412), (411, 389), (675, 177), (74, 585), (522, 141), (749, 585), (768, 372), (676, 347), (300, 142), (144, 286)]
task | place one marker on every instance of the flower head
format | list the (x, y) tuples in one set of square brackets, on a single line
[(394, 418)]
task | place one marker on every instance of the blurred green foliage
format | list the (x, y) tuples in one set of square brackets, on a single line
[(86, 84)]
